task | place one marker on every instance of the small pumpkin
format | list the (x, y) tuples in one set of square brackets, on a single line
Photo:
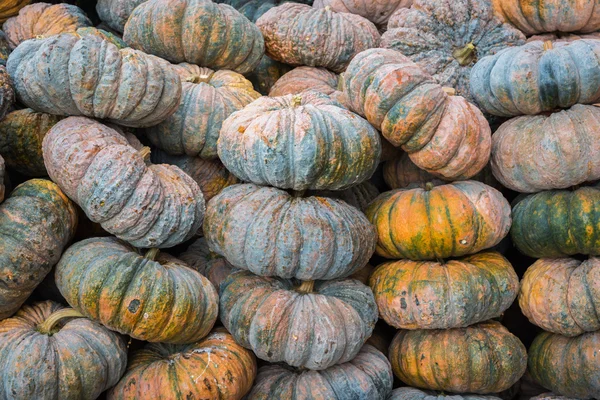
[(359, 196), (267, 73), (302, 79), (215, 367), (10, 8), (213, 266), (7, 93), (208, 98), (80, 358), (408, 393), (4, 48), (483, 358), (367, 377), (378, 11), (271, 233), (297, 34), (115, 13)]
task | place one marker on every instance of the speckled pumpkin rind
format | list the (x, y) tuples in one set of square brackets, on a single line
[(271, 233), (367, 377), (312, 330), (359, 196), (157, 301), (452, 294), (447, 37), (408, 393), (10, 8), (81, 359), (208, 98), (567, 366), (376, 11), (267, 73), (213, 266), (4, 48), (7, 93), (214, 368), (297, 34), (196, 31), (447, 221), (68, 74), (551, 396), (156, 205), (483, 358), (115, 13), (558, 223)]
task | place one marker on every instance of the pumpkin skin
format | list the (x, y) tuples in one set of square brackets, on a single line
[(359, 196), (208, 98), (170, 29), (107, 281), (297, 34), (37, 222), (115, 13), (302, 79), (558, 223), (444, 135), (145, 205), (378, 12), (312, 328), (4, 48), (81, 358), (567, 366), (439, 222), (366, 377), (267, 73), (166, 371), (271, 233), (10, 8), (102, 34), (408, 393), (199, 257), (7, 93), (483, 358), (437, 295), (333, 148), (551, 396)]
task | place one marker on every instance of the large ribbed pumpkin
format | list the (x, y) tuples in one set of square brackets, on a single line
[(195, 31), (215, 367), (70, 74), (115, 13), (159, 300), (7, 93), (483, 358), (208, 98), (439, 222), (302, 79), (272, 233), (444, 135), (213, 266), (298, 34), (36, 222), (367, 377), (558, 223), (10, 8), (299, 142), (376, 11), (146, 205), (47, 356), (312, 325), (442, 295), (4, 48), (408, 393), (567, 366)]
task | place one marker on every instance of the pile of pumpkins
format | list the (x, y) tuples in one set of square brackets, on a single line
[(307, 200)]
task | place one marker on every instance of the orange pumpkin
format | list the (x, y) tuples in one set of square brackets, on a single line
[(10, 8)]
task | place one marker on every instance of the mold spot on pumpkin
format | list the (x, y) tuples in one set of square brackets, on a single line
[(134, 305)]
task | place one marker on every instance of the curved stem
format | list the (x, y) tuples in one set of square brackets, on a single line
[(449, 91), (198, 79), (144, 152), (548, 45), (296, 100), (341, 82), (306, 287), (47, 326), (151, 254), (466, 55)]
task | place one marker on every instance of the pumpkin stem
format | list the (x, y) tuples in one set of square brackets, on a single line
[(429, 186), (46, 327), (151, 254), (144, 152), (341, 82), (306, 287), (466, 55), (548, 45), (296, 100), (40, 37), (449, 91), (198, 79), (327, 8)]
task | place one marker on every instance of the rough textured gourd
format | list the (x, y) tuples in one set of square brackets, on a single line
[(37, 221), (145, 205), (7, 93), (215, 367), (4, 48), (272, 233), (70, 74), (359, 196), (298, 34), (444, 135), (80, 358), (312, 325), (213, 266), (442, 295), (302, 79), (208, 98), (170, 29), (10, 8), (376, 11), (483, 358), (408, 393), (115, 13), (267, 73), (160, 300)]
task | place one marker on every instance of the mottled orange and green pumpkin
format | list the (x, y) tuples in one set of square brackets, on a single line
[(7, 93), (10, 8), (213, 266), (376, 11), (115, 13)]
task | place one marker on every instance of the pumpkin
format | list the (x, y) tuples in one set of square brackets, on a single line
[(533, 17), (272, 233), (446, 39), (148, 298), (146, 205), (208, 98), (563, 37), (442, 295), (102, 34), (378, 11), (558, 223), (115, 13), (444, 135), (215, 367), (4, 48), (408, 393), (483, 358), (199, 257), (551, 396), (44, 19), (267, 73), (312, 325), (567, 366), (10, 8), (299, 142), (298, 34), (49, 353), (439, 222), (366, 377), (37, 221), (7, 93), (302, 79), (564, 144), (86, 75), (359, 196), (170, 29)]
